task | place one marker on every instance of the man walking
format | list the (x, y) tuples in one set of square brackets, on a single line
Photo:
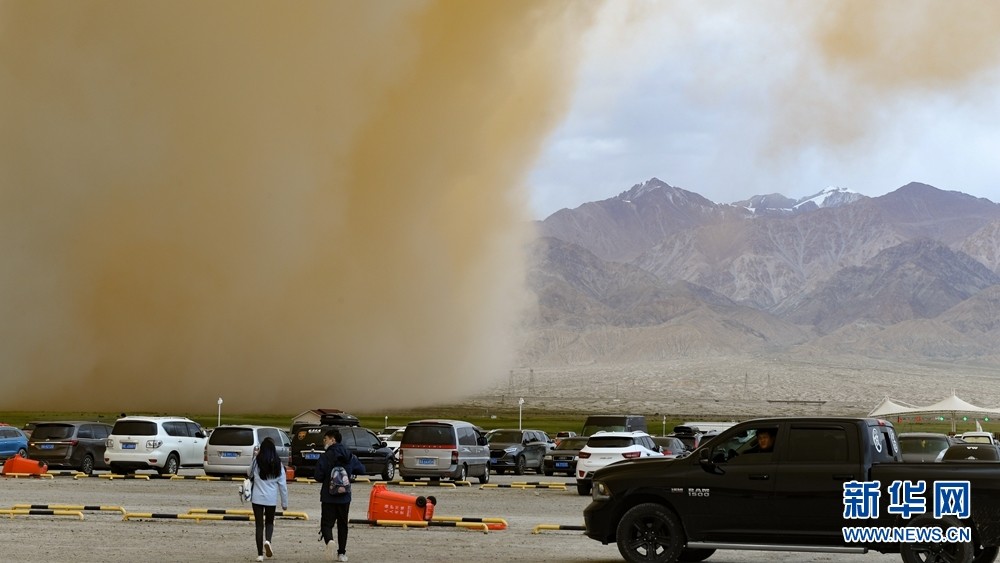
[(335, 498)]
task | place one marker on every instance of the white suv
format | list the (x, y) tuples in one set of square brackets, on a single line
[(604, 448), (163, 443)]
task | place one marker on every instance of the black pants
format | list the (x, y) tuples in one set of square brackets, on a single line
[(335, 513), (263, 521)]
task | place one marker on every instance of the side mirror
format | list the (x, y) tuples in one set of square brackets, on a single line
[(481, 441), (199, 434), (383, 445), (706, 461)]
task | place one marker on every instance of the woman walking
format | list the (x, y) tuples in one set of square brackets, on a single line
[(268, 476)]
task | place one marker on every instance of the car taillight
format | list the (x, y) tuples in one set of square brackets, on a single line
[(583, 455), (110, 443), (74, 442), (153, 444), (667, 452), (631, 455), (454, 457)]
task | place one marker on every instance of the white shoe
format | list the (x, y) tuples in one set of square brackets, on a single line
[(267, 549), (260, 558), (342, 557), (331, 551)]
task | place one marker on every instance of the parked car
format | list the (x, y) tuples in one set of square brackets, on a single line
[(231, 448), (29, 427), (517, 450), (163, 443), (451, 449), (389, 431), (563, 458), (670, 446), (921, 447), (978, 437), (340, 418), (12, 442), (394, 440), (613, 423), (971, 452), (565, 434), (605, 448), (374, 454), (74, 444)]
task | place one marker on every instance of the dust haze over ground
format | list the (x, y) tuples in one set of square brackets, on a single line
[(267, 203)]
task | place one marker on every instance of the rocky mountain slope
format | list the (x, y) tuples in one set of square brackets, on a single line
[(659, 272)]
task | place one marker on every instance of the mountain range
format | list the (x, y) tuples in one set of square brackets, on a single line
[(659, 272)]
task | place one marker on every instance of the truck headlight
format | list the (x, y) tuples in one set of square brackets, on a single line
[(600, 491)]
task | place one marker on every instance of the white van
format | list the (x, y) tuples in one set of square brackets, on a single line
[(231, 448), (436, 449)]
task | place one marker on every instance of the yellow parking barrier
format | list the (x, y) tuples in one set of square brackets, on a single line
[(553, 486), (112, 476), (12, 512), (81, 507), (277, 513), (28, 475), (491, 523), (195, 517), (537, 529)]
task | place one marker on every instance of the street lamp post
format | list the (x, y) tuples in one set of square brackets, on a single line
[(520, 405), (218, 422)]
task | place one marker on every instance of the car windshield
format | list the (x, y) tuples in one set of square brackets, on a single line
[(134, 428), (52, 431), (922, 445), (572, 443), (396, 436), (610, 441), (505, 436), (224, 436)]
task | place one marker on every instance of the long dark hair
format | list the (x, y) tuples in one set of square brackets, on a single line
[(268, 463)]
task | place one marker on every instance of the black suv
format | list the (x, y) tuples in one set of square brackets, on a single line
[(517, 450), (74, 444), (377, 457)]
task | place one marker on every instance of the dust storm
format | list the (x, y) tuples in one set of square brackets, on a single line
[(317, 204)]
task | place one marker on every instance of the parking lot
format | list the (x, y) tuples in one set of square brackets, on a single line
[(105, 536)]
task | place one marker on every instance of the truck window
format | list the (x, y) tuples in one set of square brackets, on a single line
[(816, 445)]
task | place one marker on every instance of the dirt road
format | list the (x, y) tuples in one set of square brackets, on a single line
[(105, 537)]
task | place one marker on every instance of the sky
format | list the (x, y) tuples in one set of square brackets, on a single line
[(734, 99)]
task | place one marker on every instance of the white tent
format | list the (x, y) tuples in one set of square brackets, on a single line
[(889, 406), (952, 406)]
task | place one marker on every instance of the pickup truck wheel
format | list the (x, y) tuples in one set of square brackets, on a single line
[(650, 532), (690, 555), (984, 554), (944, 552)]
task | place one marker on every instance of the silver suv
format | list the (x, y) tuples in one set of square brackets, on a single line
[(163, 443)]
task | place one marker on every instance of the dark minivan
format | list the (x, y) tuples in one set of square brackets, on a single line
[(73, 444), (374, 454)]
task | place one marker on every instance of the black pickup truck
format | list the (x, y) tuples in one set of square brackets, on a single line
[(835, 485)]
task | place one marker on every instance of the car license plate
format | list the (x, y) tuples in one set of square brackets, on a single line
[(230, 454), (310, 456), (425, 461), (128, 445), (493, 460), (47, 446), (562, 464)]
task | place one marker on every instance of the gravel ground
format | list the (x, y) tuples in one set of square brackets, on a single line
[(105, 537)]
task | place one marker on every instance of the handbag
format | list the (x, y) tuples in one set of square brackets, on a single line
[(246, 489)]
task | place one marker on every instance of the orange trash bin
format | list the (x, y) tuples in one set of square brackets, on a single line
[(384, 504), (18, 464)]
